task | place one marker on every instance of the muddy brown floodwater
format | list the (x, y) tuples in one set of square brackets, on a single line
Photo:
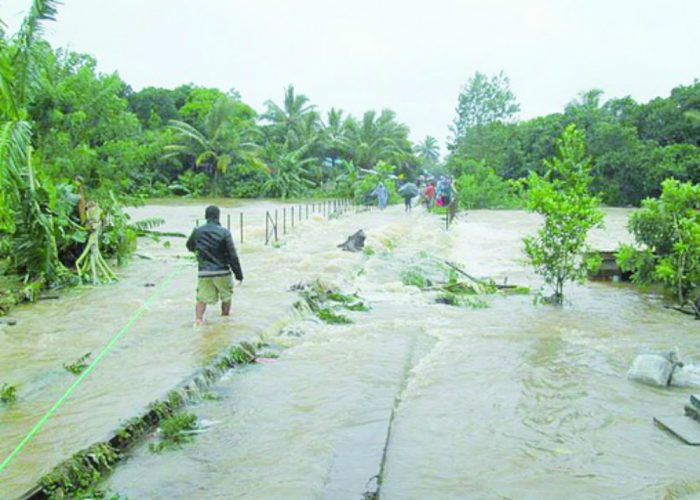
[(510, 401)]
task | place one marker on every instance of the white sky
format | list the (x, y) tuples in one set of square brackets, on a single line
[(407, 55)]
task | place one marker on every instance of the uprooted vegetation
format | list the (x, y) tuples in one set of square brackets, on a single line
[(453, 285), (326, 302), (79, 365)]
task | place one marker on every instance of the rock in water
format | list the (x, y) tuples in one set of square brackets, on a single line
[(355, 242), (686, 376), (651, 369)]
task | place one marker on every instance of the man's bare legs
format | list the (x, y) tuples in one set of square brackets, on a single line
[(225, 308), (199, 313)]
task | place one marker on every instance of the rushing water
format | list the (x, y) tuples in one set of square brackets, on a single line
[(511, 401)]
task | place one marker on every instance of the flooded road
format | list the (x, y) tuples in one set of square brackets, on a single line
[(509, 401)]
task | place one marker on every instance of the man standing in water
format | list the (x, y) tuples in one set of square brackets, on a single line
[(216, 259)]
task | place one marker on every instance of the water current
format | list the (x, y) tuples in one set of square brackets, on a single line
[(510, 401)]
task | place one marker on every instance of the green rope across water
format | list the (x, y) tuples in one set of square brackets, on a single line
[(139, 312)]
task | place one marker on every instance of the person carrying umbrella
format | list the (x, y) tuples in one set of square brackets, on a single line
[(408, 191)]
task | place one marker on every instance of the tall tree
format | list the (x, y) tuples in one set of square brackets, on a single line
[(484, 100)]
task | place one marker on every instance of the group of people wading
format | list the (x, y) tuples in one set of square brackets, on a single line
[(440, 193)]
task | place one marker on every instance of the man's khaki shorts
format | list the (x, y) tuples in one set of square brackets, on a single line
[(212, 289)]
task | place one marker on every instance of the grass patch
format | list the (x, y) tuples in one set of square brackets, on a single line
[(8, 393), (79, 365), (175, 431)]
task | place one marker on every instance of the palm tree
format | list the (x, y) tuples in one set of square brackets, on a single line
[(376, 138), (334, 138), (225, 139), (294, 121), (428, 150)]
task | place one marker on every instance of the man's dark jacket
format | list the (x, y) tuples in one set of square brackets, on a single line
[(216, 254)]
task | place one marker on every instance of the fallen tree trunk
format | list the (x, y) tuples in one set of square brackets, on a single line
[(477, 280)]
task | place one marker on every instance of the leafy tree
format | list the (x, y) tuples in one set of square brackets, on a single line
[(200, 102), (484, 100), (562, 197), (154, 106), (667, 232), (479, 186)]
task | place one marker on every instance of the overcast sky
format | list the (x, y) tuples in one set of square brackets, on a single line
[(407, 55)]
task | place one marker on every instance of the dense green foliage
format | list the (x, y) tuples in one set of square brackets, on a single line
[(562, 197), (633, 146), (667, 232)]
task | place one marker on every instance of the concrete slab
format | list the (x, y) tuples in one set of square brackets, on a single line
[(686, 429)]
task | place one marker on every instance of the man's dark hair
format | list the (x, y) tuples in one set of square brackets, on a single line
[(212, 213)]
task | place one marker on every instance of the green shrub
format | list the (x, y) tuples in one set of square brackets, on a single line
[(667, 231), (481, 187), (558, 252)]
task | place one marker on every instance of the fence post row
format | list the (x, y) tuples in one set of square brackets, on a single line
[(326, 207)]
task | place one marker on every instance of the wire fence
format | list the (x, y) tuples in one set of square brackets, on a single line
[(284, 219)]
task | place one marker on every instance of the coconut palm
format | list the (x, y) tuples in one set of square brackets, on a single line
[(226, 139), (334, 136), (376, 138), (428, 150), (293, 121)]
